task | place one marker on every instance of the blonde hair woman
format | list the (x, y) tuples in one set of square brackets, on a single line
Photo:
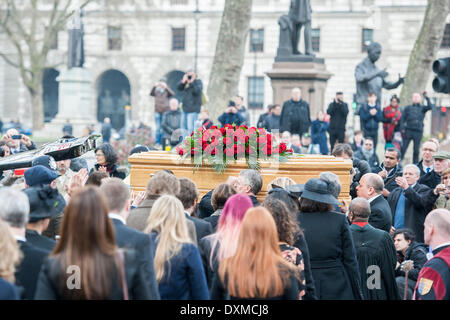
[(10, 256), (178, 266)]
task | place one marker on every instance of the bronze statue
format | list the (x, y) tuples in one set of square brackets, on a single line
[(371, 79), (75, 53), (300, 16)]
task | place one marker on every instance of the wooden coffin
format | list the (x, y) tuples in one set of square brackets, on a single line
[(300, 169)]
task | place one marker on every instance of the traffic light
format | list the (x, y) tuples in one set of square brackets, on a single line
[(441, 82)]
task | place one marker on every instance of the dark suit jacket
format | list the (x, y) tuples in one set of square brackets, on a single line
[(332, 255), (138, 217), (8, 291), (49, 283), (380, 214), (431, 179), (129, 238), (202, 228), (28, 270), (40, 241), (418, 203)]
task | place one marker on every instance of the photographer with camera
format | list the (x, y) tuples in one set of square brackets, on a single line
[(18, 142), (192, 99), (231, 115), (162, 94), (338, 111)]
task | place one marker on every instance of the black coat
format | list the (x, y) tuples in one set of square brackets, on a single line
[(373, 161), (332, 254), (417, 253), (114, 172), (262, 120), (272, 122), (389, 181), (295, 117), (40, 241), (413, 116), (380, 214), (205, 208), (431, 179), (210, 264), (28, 270), (214, 219), (255, 201), (192, 98), (376, 248), (310, 293), (8, 291), (49, 284), (418, 204), (171, 121), (144, 247), (338, 116), (420, 165), (291, 290), (202, 228)]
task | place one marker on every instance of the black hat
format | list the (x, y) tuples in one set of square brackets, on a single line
[(317, 190), (46, 161), (296, 189), (78, 163), (45, 202), (138, 149), (39, 175)]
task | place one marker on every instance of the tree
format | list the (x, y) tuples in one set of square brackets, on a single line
[(425, 49), (31, 31), (229, 55)]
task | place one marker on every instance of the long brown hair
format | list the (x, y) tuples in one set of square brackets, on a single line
[(257, 269), (87, 241)]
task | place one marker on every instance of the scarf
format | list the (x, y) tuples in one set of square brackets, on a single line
[(393, 115), (366, 153)]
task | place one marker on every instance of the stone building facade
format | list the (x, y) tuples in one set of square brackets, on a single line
[(141, 41)]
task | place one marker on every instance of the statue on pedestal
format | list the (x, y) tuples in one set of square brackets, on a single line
[(291, 25), (75, 54), (371, 79)]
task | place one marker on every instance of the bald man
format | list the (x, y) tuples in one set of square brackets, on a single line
[(295, 115), (373, 247), (371, 188), (433, 282)]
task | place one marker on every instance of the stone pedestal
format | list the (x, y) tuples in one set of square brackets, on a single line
[(307, 73), (75, 102)]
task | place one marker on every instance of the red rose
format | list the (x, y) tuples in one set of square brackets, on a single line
[(180, 151), (227, 141), (290, 151), (222, 131), (229, 152), (213, 127)]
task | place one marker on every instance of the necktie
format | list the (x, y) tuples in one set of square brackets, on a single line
[(428, 170)]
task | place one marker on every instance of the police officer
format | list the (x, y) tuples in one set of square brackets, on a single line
[(433, 282), (412, 123)]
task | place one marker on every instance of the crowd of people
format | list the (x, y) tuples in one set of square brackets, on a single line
[(68, 232), (71, 231)]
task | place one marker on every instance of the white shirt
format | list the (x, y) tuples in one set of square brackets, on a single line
[(371, 199), (19, 238), (425, 168), (442, 245), (117, 217)]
